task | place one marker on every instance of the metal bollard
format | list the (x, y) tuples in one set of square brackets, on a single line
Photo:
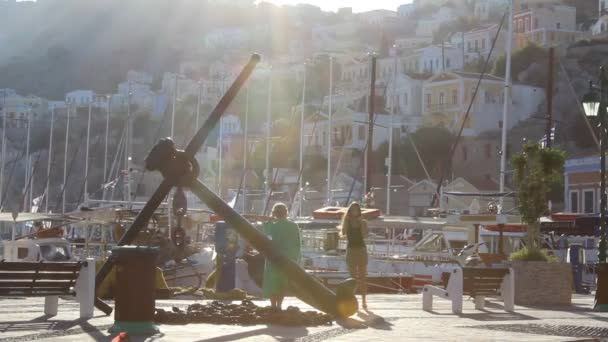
[(136, 290)]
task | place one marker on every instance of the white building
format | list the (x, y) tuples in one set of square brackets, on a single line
[(433, 59), (139, 77), (405, 10), (349, 130), (227, 38), (376, 17), (141, 96), (413, 42), (407, 94), (485, 8), (545, 26), (427, 27), (231, 125), (478, 43), (341, 36), (80, 98)]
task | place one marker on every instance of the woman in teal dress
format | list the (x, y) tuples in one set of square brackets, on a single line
[(286, 238)]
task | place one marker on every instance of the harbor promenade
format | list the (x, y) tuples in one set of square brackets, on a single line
[(390, 318)]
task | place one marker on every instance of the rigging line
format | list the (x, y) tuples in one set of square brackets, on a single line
[(29, 181), (428, 176), (82, 135), (119, 157), (435, 198), (367, 142), (97, 148), (301, 171), (114, 162), (10, 176), (158, 133), (275, 174)]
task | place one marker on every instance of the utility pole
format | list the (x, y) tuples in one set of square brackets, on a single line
[(442, 55), (549, 99), (389, 174), (245, 150), (507, 102), (370, 125)]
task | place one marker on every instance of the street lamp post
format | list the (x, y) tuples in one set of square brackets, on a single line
[(595, 106)]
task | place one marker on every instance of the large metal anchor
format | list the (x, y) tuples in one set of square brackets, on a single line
[(179, 168)]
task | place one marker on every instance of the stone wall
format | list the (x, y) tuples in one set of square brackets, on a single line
[(542, 283)]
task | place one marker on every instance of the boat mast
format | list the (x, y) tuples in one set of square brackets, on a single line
[(268, 118), (105, 152), (27, 161), (221, 145), (390, 136), (48, 166), (86, 159), (65, 156), (329, 128), (302, 141), (3, 159), (507, 98), (245, 150)]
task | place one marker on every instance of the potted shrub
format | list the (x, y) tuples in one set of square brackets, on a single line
[(535, 170)]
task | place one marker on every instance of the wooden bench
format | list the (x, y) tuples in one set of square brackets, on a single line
[(475, 282), (50, 280)]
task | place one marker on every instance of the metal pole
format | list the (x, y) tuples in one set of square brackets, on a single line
[(86, 159), (330, 134), (105, 152), (302, 140), (602, 117), (507, 99), (65, 158), (221, 147), (48, 166), (3, 161), (129, 146), (549, 99), (27, 161), (198, 105), (268, 118), (390, 140), (173, 108), (245, 150), (370, 126), (601, 292)]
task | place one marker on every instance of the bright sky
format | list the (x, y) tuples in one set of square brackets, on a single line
[(357, 5)]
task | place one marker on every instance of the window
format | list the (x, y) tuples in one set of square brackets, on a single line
[(483, 44), (552, 36), (447, 63), (441, 97), (405, 99), (527, 24), (476, 46), (324, 140), (454, 96), (487, 97), (589, 201), (22, 252), (361, 132), (558, 25), (428, 100), (465, 154), (437, 64), (574, 201), (535, 23), (488, 151), (469, 46)]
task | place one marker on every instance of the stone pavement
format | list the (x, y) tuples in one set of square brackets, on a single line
[(391, 318)]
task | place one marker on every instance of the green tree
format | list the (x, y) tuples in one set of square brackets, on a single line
[(521, 60), (536, 169)]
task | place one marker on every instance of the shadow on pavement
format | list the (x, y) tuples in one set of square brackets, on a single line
[(374, 321), (280, 333), (38, 323)]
